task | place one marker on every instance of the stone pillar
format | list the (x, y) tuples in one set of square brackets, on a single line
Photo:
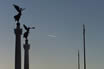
[(18, 33), (26, 54)]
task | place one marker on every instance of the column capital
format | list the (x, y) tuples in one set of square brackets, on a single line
[(18, 30), (26, 46)]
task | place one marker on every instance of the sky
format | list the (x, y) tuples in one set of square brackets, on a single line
[(58, 34)]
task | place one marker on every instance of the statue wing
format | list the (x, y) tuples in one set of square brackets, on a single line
[(16, 7), (25, 26)]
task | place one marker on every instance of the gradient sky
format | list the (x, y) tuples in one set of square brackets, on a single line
[(58, 33)]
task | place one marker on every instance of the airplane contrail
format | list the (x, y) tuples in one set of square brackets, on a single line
[(51, 35)]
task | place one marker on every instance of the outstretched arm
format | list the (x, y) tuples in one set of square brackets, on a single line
[(25, 26)]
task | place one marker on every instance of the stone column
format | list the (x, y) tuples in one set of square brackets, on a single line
[(26, 54), (18, 33)]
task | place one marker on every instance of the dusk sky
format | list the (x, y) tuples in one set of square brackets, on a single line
[(58, 34)]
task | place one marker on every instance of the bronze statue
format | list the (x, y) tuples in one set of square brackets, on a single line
[(19, 10), (27, 31)]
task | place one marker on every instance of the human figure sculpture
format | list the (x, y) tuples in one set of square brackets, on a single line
[(19, 10), (27, 31)]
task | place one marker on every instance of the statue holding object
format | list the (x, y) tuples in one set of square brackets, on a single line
[(19, 10), (27, 31)]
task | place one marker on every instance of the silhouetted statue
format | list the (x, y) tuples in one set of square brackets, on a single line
[(19, 10), (27, 31)]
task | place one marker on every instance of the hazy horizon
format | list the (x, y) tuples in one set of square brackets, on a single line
[(58, 34)]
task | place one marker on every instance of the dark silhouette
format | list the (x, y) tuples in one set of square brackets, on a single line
[(26, 46), (18, 33), (27, 31), (78, 60), (19, 10), (84, 46), (26, 54)]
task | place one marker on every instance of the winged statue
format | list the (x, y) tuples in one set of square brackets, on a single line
[(27, 31), (19, 10)]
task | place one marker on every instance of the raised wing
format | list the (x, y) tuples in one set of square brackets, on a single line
[(25, 26), (16, 7)]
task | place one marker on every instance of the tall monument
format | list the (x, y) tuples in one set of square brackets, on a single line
[(26, 47), (26, 54), (78, 60), (18, 33), (84, 48)]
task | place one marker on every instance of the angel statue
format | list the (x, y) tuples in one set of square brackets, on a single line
[(27, 31), (19, 10)]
